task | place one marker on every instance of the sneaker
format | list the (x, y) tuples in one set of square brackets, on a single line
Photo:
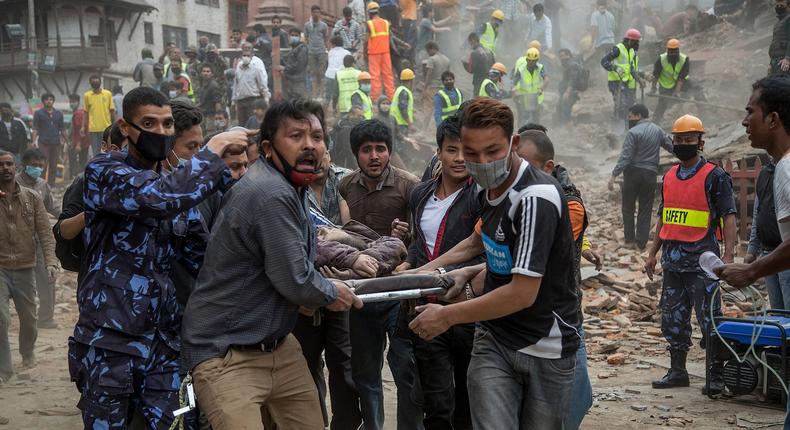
[(29, 362), (48, 325)]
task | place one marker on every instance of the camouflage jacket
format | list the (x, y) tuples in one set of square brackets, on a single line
[(137, 223)]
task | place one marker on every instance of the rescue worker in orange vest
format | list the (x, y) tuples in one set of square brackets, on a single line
[(378, 49), (697, 209)]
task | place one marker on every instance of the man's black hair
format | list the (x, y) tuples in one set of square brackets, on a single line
[(315, 7), (337, 40), (146, 53), (348, 61), (73, 97), (473, 36), (174, 85), (533, 126), (448, 128), (250, 39), (94, 77), (5, 105), (347, 11), (542, 143), (639, 109), (185, 116), (775, 97), (371, 130), (31, 155), (141, 96), (277, 17), (260, 104), (3, 153), (448, 74), (117, 90), (259, 28), (426, 9), (295, 30), (235, 30), (432, 45), (47, 96), (537, 8), (565, 50), (105, 135), (297, 109), (116, 136)]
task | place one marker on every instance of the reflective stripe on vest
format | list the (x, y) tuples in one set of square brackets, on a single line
[(190, 91), (367, 105), (379, 36), (488, 38), (483, 92), (347, 83), (400, 118), (629, 62), (669, 75), (686, 214), (530, 83), (449, 108)]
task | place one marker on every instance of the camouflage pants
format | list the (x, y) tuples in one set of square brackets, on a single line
[(681, 292), (113, 386)]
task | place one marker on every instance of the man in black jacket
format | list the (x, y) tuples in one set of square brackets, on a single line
[(294, 65), (444, 211), (13, 132)]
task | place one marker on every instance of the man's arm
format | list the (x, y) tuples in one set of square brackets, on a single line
[(462, 252), (44, 232), (70, 228), (438, 104), (755, 248), (49, 202), (606, 61), (626, 154)]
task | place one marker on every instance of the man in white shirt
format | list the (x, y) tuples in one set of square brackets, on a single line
[(250, 83), (539, 27), (602, 27), (334, 63)]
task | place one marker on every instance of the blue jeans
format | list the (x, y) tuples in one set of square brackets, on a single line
[(581, 394), (512, 390), (370, 327), (18, 285), (778, 286), (95, 143)]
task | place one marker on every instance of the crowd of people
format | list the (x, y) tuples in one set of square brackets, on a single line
[(222, 258)]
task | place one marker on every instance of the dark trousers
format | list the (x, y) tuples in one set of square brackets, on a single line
[(45, 289), (77, 161), (52, 154), (680, 293), (19, 286), (245, 108), (638, 185), (442, 364), (565, 105), (328, 333)]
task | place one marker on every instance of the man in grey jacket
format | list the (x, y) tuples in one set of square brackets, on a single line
[(638, 163), (258, 270)]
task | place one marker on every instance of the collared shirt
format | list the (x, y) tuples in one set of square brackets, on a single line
[(641, 147), (79, 129), (42, 188), (23, 218), (605, 25), (539, 30), (330, 196), (136, 223), (438, 104), (98, 107), (48, 125), (316, 35), (377, 208), (335, 61), (258, 269), (250, 80), (351, 32)]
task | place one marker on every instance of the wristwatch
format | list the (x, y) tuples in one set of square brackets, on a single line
[(441, 270), (470, 294)]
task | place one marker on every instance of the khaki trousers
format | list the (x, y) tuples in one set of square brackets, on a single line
[(253, 390)]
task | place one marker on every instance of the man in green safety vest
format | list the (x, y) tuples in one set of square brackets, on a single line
[(529, 79), (489, 32), (360, 99), (671, 75), (347, 83), (492, 86), (447, 100), (402, 108), (622, 63)]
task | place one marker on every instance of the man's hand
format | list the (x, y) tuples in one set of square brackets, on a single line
[(345, 299), (2, 194), (333, 273), (737, 275), (610, 184), (52, 272), (430, 322), (399, 229), (784, 64), (234, 141), (366, 266), (728, 257), (402, 267), (308, 312), (749, 259), (650, 266), (594, 258)]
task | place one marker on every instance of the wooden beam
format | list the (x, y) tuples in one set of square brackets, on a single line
[(10, 94), (120, 27), (77, 84), (82, 30), (19, 86), (134, 26), (55, 81)]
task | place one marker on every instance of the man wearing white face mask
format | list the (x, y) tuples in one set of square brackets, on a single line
[(522, 369), (249, 84)]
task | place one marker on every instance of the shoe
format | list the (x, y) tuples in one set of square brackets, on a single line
[(677, 375), (29, 362), (47, 325), (716, 381)]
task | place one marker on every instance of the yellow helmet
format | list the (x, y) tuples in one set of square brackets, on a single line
[(498, 14), (688, 124), (533, 54), (406, 75), (373, 6), (535, 44), (363, 76)]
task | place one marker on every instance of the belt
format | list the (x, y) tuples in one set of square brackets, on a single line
[(265, 347)]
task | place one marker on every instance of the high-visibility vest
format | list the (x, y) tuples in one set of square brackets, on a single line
[(379, 36), (530, 83), (400, 118), (686, 216), (367, 105), (484, 92), (669, 75), (628, 61), (488, 38), (347, 83), (449, 108), (191, 91)]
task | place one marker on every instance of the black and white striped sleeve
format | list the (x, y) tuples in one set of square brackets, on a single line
[(535, 220)]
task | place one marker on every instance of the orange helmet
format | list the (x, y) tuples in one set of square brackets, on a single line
[(363, 76), (688, 124), (499, 67), (673, 44)]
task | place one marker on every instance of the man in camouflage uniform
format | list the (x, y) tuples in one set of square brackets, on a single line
[(124, 355)]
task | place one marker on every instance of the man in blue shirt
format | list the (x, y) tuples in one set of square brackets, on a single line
[(447, 99), (48, 128)]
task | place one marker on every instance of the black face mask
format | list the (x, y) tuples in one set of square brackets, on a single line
[(673, 57), (152, 146), (780, 10), (685, 152), (632, 123), (635, 45)]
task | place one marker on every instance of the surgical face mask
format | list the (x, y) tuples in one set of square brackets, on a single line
[(172, 94), (294, 40), (685, 152), (245, 59), (34, 172), (220, 124), (490, 175), (365, 87), (152, 146), (74, 106)]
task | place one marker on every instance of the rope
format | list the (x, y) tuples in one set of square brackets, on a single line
[(178, 422)]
